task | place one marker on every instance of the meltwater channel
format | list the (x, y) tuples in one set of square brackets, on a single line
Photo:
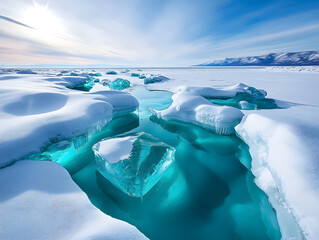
[(208, 192)]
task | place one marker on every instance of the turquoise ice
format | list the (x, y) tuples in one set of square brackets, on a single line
[(86, 86), (133, 163), (248, 101), (119, 84), (111, 73)]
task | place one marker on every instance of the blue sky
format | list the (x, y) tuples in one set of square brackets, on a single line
[(152, 32)]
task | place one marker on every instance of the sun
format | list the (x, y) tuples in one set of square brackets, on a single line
[(39, 17)]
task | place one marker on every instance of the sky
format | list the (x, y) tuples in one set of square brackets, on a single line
[(152, 33)]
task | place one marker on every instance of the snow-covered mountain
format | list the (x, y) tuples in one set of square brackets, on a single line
[(271, 59)]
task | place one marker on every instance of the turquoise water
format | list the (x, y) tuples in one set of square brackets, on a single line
[(207, 193)]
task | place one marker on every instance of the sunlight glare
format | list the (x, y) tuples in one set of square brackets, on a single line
[(39, 17)]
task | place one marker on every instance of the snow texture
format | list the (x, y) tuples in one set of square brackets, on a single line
[(39, 200)]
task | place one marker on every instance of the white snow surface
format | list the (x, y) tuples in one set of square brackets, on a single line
[(39, 200), (36, 109), (116, 149)]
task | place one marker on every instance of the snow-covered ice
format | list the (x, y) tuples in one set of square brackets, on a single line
[(36, 110), (190, 106), (149, 78)]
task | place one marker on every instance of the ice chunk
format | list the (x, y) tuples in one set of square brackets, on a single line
[(142, 76), (98, 74), (74, 74), (135, 75), (119, 84), (86, 86), (153, 79), (125, 71), (190, 107), (133, 163), (26, 71), (111, 73), (244, 105)]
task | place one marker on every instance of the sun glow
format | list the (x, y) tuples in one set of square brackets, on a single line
[(39, 17)]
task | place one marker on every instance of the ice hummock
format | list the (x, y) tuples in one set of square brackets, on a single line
[(154, 78), (133, 163), (111, 73), (119, 84), (190, 107)]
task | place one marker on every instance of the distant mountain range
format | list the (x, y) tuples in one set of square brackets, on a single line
[(306, 58)]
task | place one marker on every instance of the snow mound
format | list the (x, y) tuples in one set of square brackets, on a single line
[(285, 163), (190, 107), (26, 71), (36, 111), (41, 201)]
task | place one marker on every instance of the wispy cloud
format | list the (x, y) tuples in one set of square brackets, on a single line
[(153, 33), (14, 21)]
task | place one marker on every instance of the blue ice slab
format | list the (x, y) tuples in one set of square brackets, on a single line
[(111, 73), (119, 84), (256, 99), (135, 75), (134, 163)]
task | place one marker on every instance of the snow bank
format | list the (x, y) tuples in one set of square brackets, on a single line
[(39, 200), (285, 165), (36, 111), (190, 107)]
